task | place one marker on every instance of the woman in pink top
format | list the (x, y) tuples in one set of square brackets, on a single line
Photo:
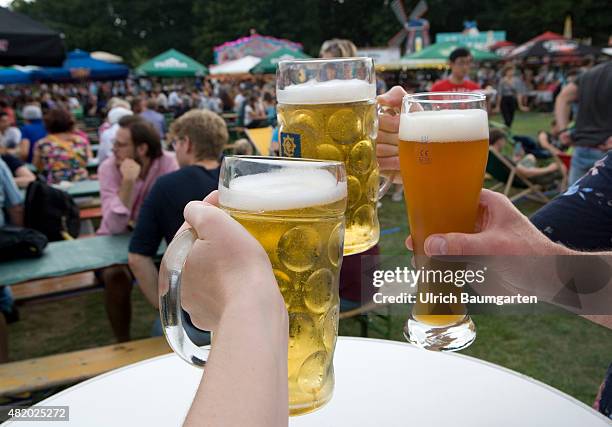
[(126, 178)]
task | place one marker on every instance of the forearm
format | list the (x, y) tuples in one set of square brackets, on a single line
[(527, 172), (244, 363), (145, 272), (23, 181), (125, 192), (115, 215), (24, 177), (563, 104), (562, 113), (15, 214), (24, 149), (548, 146)]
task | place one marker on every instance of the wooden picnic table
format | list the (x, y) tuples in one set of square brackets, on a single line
[(62, 263), (86, 188), (69, 257), (77, 189)]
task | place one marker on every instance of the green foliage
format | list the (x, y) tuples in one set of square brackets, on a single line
[(144, 28), (135, 29)]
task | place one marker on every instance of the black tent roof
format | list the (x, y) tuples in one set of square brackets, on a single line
[(558, 49), (23, 41)]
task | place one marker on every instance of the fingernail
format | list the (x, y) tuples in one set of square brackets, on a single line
[(437, 245)]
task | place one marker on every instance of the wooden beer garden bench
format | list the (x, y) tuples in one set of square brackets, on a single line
[(91, 213), (47, 372), (54, 288)]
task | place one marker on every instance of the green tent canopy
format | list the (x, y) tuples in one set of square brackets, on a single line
[(268, 63), (437, 54), (172, 63)]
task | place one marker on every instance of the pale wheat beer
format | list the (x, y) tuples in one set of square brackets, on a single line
[(327, 110), (296, 212), (443, 152)]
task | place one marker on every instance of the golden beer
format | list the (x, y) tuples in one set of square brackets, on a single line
[(443, 156), (342, 131), (298, 217)]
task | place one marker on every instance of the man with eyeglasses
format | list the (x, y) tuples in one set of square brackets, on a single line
[(126, 177), (199, 137)]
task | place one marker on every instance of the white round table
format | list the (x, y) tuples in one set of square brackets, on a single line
[(378, 383)]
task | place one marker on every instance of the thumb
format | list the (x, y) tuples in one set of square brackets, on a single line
[(454, 244), (392, 98), (212, 198), (211, 223), (207, 220)]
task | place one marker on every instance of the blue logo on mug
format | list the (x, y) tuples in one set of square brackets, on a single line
[(291, 144)]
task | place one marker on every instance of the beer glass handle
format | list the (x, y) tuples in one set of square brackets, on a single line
[(170, 299), (384, 185)]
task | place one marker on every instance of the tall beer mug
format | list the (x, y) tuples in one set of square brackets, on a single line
[(443, 151), (295, 209), (327, 110)]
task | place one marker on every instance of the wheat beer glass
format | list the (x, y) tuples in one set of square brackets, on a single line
[(327, 110), (443, 151), (295, 209)]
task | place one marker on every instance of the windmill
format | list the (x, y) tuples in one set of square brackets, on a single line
[(415, 29)]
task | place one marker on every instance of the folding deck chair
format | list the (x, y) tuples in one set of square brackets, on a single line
[(504, 171)]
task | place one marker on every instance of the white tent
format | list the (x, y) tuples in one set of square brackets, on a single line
[(238, 66), (106, 57)]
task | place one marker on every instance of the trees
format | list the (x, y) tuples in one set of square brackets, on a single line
[(134, 29), (138, 29)]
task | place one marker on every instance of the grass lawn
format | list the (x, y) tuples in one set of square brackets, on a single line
[(562, 350), (528, 123)]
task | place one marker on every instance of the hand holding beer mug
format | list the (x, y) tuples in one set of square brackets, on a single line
[(295, 210), (443, 151), (327, 110)]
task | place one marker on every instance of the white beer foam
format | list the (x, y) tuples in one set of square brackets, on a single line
[(444, 125), (329, 92), (282, 190)]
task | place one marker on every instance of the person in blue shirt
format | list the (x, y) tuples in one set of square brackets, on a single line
[(31, 132), (148, 111)]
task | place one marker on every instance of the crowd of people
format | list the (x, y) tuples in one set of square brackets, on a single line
[(252, 101), (149, 173), (94, 99)]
